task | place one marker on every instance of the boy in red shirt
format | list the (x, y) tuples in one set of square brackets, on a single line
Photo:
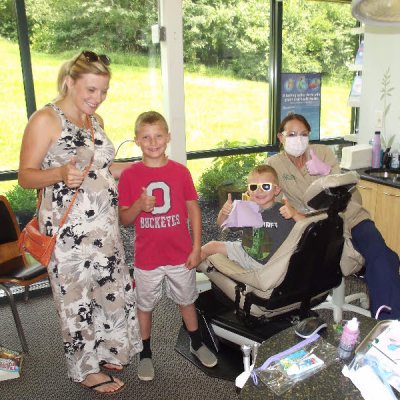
[(157, 195)]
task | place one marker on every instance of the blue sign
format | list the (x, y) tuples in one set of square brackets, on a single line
[(301, 94)]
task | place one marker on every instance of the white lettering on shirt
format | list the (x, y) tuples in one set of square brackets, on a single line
[(270, 224), (164, 208), (159, 222)]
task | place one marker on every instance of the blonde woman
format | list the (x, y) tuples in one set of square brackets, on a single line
[(90, 281)]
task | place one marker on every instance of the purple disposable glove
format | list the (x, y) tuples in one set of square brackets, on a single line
[(317, 167), (244, 213)]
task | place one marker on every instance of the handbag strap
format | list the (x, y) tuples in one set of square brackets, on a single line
[(85, 172)]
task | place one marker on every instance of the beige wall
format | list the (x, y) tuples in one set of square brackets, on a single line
[(381, 73)]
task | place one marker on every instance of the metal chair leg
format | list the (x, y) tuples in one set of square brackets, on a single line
[(17, 320), (26, 293)]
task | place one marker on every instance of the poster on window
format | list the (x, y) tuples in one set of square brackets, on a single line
[(301, 94)]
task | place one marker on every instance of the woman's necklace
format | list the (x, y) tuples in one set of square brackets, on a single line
[(82, 124), (78, 122)]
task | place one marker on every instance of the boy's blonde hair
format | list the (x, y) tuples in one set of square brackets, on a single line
[(149, 117), (264, 169)]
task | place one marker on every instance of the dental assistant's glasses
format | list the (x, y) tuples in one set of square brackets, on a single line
[(291, 134)]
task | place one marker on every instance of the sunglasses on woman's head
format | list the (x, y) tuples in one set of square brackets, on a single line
[(265, 187), (91, 56)]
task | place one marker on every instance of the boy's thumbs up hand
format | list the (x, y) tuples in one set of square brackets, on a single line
[(147, 202), (227, 207), (287, 211), (317, 167)]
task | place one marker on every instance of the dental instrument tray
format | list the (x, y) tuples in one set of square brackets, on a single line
[(378, 329), (380, 350)]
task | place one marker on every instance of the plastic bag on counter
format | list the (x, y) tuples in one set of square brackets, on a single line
[(283, 370), (375, 370), (373, 376)]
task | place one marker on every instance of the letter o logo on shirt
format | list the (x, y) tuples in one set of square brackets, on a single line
[(166, 195)]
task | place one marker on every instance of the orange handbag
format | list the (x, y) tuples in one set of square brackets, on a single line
[(37, 244), (40, 246)]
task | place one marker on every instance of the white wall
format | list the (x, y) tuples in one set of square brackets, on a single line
[(381, 64), (172, 76)]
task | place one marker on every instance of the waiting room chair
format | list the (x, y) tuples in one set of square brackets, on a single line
[(14, 269)]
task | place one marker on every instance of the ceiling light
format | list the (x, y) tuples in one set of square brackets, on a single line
[(377, 12)]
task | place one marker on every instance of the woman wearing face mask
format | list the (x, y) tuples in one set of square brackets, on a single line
[(300, 164)]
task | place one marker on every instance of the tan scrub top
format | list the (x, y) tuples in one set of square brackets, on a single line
[(294, 183)]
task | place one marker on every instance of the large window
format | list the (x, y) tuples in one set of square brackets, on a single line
[(58, 30), (226, 47), (227, 50), (12, 104), (316, 37), (226, 65)]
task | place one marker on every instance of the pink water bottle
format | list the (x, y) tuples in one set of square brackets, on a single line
[(349, 339), (376, 151)]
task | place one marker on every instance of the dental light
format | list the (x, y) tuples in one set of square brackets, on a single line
[(377, 12)]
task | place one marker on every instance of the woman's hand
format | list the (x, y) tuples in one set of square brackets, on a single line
[(317, 167), (72, 176)]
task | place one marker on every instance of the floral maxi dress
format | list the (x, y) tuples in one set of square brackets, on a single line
[(91, 284)]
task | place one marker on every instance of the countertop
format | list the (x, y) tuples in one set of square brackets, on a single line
[(328, 384), (392, 182)]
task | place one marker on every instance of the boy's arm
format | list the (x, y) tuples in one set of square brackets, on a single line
[(225, 210), (287, 211), (116, 168), (194, 214), (128, 214)]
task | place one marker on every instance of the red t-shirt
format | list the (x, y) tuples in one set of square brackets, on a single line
[(161, 237)]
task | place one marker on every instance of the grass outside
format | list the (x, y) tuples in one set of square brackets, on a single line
[(218, 106)]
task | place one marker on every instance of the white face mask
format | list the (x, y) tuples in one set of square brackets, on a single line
[(296, 146)]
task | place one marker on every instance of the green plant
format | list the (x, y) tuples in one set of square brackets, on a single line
[(21, 199), (227, 170)]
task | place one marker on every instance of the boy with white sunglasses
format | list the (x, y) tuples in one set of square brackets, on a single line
[(257, 244)]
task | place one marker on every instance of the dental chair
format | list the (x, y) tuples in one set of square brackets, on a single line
[(246, 307)]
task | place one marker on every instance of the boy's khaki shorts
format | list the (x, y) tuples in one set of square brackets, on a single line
[(235, 252), (180, 285)]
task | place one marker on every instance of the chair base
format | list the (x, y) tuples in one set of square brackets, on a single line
[(338, 303), (230, 359), (224, 333)]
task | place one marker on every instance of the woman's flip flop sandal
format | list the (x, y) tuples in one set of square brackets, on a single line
[(97, 385)]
